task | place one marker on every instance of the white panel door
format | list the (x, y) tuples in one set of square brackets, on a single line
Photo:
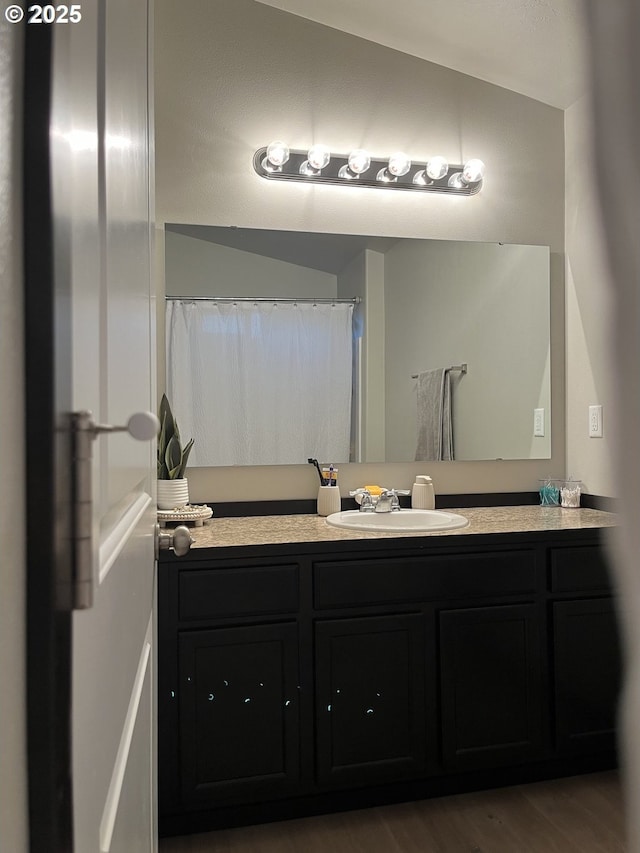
[(102, 201)]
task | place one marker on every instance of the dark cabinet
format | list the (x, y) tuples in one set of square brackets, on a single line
[(491, 686), (239, 712), (370, 699), (304, 678), (587, 674)]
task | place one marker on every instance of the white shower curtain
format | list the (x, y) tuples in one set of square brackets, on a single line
[(261, 383)]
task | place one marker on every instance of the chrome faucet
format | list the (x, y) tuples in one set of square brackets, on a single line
[(366, 504), (388, 501)]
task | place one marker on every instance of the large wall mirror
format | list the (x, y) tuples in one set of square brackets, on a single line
[(283, 345)]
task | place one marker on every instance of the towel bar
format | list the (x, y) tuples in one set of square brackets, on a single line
[(461, 367)]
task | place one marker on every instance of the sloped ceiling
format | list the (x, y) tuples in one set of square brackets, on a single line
[(533, 47)]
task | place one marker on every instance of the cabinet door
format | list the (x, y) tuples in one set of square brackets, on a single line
[(370, 699), (239, 727), (491, 688), (587, 674)]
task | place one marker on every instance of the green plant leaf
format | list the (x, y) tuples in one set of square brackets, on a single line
[(185, 457), (162, 447), (173, 458), (166, 418)]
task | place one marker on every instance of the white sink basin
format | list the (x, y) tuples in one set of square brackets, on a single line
[(404, 521)]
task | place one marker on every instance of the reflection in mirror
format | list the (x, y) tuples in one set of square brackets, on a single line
[(361, 380)]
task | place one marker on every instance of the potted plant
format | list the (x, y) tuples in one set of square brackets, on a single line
[(173, 488)]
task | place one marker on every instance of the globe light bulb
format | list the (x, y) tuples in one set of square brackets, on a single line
[(276, 156), (473, 171), (359, 161), (399, 164), (437, 168), (318, 156)]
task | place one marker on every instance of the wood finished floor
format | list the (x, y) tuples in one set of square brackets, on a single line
[(581, 814)]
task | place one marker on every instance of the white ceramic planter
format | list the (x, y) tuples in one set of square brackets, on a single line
[(173, 493)]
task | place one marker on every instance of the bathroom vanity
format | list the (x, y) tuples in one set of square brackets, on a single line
[(304, 668)]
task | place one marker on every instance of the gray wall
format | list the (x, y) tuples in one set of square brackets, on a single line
[(200, 268), (372, 356), (481, 303), (233, 75)]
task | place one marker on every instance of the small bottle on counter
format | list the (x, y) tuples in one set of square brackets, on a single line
[(422, 493)]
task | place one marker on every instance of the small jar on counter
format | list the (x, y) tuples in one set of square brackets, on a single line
[(550, 492), (570, 493), (328, 500)]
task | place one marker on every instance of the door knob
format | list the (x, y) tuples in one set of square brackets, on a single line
[(142, 426), (180, 540)]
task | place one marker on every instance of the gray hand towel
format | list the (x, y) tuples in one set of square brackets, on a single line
[(435, 429)]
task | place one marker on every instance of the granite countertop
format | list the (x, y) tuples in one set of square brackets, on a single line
[(279, 529)]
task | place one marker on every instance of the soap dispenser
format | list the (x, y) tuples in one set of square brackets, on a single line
[(422, 493)]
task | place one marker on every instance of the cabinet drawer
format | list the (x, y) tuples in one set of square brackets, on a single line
[(212, 593), (407, 579), (578, 569)]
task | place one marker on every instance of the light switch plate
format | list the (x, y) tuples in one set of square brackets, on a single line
[(595, 421), (538, 423)]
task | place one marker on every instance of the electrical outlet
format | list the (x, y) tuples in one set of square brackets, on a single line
[(538, 423), (595, 421)]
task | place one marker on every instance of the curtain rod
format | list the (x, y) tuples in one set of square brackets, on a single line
[(461, 367), (355, 300)]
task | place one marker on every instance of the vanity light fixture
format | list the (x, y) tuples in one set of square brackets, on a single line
[(359, 168)]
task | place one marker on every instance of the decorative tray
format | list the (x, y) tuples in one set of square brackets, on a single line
[(185, 514)]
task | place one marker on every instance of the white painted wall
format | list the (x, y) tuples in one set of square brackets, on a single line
[(233, 75), (589, 307), (13, 773)]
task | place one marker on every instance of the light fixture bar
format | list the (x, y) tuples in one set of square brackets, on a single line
[(337, 172)]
